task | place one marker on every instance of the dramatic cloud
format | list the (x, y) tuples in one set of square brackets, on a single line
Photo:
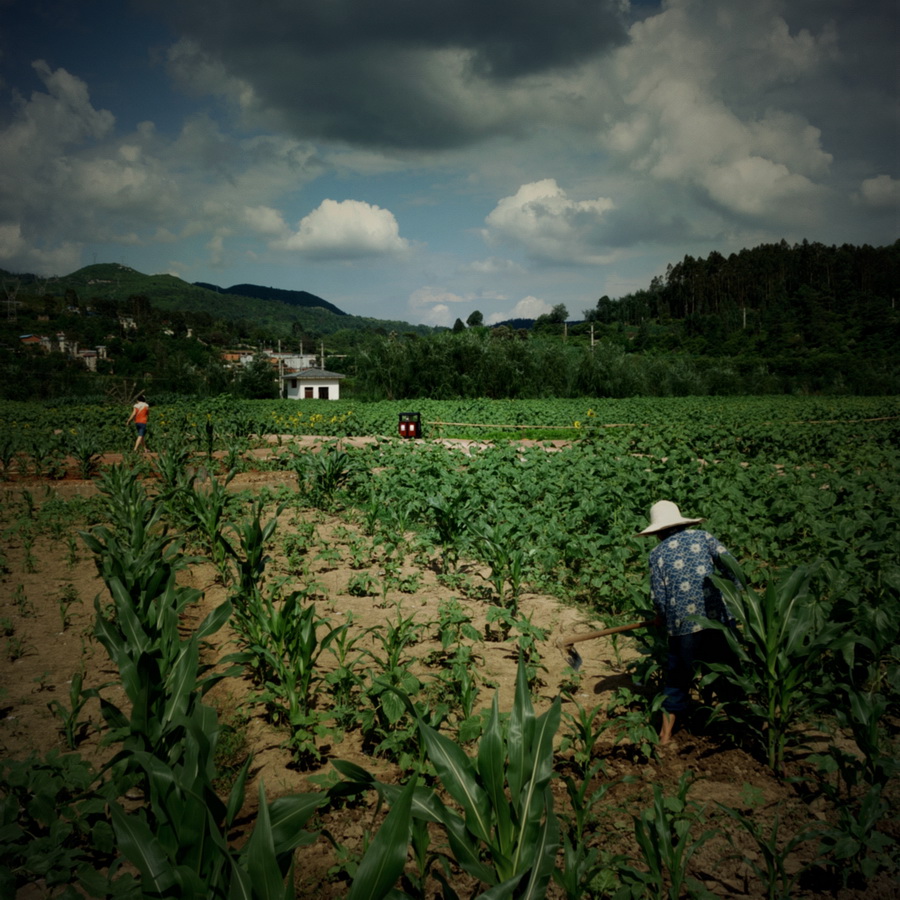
[(389, 74), (691, 113), (68, 179), (587, 143)]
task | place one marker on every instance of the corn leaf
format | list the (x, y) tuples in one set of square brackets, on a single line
[(459, 778), (521, 722), (384, 860), (288, 816), (261, 860), (137, 843)]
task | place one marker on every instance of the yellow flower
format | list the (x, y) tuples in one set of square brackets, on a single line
[(578, 424)]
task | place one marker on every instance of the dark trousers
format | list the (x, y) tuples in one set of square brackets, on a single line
[(686, 652)]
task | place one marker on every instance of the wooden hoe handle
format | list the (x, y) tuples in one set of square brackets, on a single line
[(567, 640)]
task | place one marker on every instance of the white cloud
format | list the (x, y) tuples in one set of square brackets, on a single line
[(494, 265), (438, 316), (880, 192), (347, 229), (527, 308), (432, 296), (265, 220), (548, 224)]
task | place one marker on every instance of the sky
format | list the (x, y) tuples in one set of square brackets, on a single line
[(419, 161)]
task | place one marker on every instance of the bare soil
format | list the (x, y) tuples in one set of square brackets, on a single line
[(42, 651)]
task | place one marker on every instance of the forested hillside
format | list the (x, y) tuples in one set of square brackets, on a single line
[(775, 319), (772, 299)]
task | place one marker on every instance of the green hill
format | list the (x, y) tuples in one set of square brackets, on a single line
[(269, 309), (291, 298)]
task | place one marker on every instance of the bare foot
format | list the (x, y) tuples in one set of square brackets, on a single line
[(668, 724)]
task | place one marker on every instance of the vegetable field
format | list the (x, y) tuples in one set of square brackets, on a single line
[(291, 654)]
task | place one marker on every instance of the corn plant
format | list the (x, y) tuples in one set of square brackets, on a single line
[(9, 447), (137, 550), (160, 673), (285, 649), (385, 858), (322, 474), (383, 719), (30, 560), (171, 464), (71, 551), (24, 606), (143, 561), (449, 515), (207, 511), (501, 827), (73, 727), (17, 647), (47, 455), (84, 445), (249, 555), (779, 651), (458, 684), (179, 842), (582, 734), (67, 596), (664, 836), (496, 542), (772, 872), (345, 683), (586, 870), (205, 435), (856, 844)]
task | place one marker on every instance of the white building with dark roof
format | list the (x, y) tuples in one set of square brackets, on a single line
[(312, 384)]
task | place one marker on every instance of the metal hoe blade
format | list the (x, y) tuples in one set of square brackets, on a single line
[(573, 657)]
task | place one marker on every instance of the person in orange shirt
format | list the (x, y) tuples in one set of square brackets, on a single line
[(140, 414)]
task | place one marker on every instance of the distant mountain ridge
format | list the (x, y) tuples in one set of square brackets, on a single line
[(291, 298), (280, 312)]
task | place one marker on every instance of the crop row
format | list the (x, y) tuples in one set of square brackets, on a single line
[(812, 517), (228, 417)]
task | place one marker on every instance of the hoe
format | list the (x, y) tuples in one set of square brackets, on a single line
[(573, 657)]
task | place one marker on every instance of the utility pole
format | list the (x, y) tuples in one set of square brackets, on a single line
[(12, 291)]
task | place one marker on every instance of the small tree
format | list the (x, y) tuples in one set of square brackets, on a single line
[(257, 381), (475, 320)]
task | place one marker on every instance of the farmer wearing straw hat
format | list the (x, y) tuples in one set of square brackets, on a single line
[(680, 566)]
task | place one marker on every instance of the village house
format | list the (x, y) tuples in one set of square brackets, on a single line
[(312, 384), (35, 340), (66, 346)]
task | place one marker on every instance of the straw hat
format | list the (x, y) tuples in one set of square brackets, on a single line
[(665, 514)]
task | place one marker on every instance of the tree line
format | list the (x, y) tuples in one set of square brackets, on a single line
[(773, 319)]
